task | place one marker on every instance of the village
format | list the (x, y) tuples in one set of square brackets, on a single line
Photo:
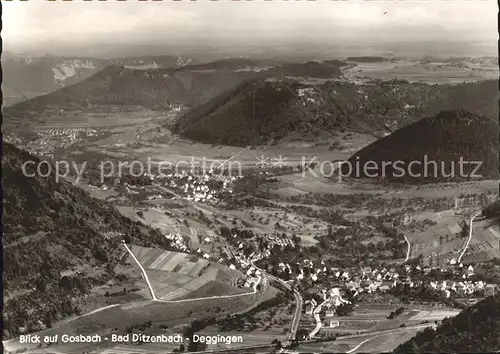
[(329, 292)]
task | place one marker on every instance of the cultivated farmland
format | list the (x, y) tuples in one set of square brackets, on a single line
[(175, 275)]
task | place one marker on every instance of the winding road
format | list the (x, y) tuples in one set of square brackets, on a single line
[(319, 324), (470, 236), (316, 312), (408, 250), (298, 301)]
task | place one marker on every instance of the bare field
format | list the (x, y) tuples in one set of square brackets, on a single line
[(263, 220), (376, 342), (433, 315), (118, 318), (485, 243), (175, 275), (428, 72), (309, 183), (94, 118)]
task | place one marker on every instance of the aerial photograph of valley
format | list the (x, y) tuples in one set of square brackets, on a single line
[(250, 177)]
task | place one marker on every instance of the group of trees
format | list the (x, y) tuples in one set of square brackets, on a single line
[(63, 228), (475, 329)]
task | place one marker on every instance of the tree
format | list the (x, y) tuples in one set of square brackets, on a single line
[(344, 309), (196, 346), (48, 319)]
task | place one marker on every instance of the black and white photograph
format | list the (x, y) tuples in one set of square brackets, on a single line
[(250, 176)]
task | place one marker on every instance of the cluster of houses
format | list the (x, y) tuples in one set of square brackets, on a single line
[(197, 188), (205, 255), (307, 94), (279, 240), (463, 287), (49, 139), (64, 137), (370, 280), (177, 241), (252, 274)]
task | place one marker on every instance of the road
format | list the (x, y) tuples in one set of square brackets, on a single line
[(363, 342), (298, 301), (470, 236), (408, 250), (380, 333), (316, 312), (311, 341), (154, 298), (319, 323)]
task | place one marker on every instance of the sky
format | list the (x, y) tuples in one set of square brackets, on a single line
[(41, 26)]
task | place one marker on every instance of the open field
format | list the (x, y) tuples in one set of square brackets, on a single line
[(175, 275), (380, 343), (428, 72), (432, 315), (375, 342), (300, 183), (485, 242), (440, 243), (116, 319), (366, 318), (263, 220)]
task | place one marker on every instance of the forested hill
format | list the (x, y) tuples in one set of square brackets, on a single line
[(475, 329), (59, 244)]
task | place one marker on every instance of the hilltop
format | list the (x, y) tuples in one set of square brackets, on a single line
[(265, 110), (475, 329), (156, 83), (445, 139), (59, 243), (116, 85), (28, 77), (251, 113)]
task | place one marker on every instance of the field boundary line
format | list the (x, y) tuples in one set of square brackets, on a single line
[(470, 237), (153, 295)]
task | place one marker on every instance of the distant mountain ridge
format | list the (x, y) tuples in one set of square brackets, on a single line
[(219, 93), (157, 88), (27, 77)]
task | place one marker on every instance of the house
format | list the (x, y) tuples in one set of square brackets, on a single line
[(489, 289), (334, 324), (366, 270), (383, 288), (330, 313), (309, 309)]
